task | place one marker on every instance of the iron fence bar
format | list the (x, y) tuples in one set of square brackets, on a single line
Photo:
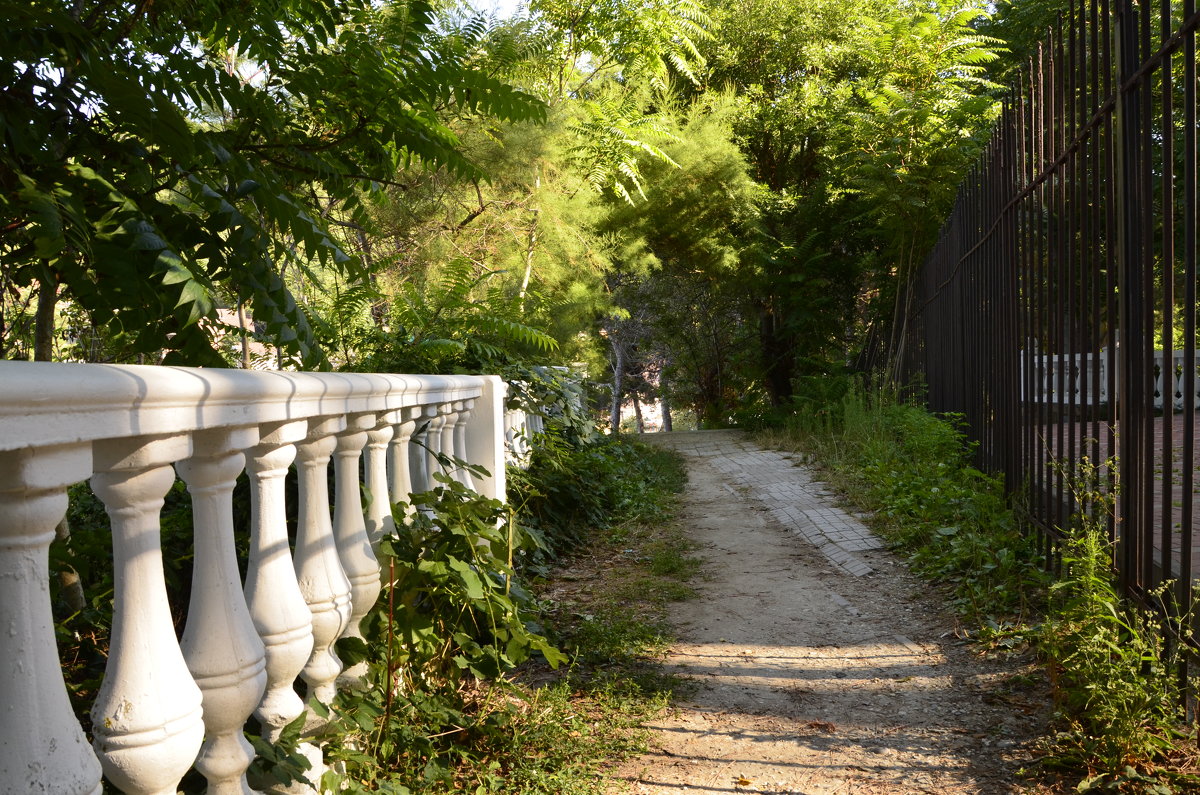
[(1130, 253), (1167, 375), (1024, 327), (1145, 460), (1093, 234), (1072, 265), (1187, 465), (1045, 197), (1112, 305), (1057, 133)]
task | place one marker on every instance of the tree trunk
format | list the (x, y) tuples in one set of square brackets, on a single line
[(637, 412), (529, 249), (778, 353), (614, 416), (665, 407), (245, 335), (43, 327), (43, 351)]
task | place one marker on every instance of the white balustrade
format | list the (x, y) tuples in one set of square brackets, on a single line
[(1065, 378), (1177, 384), (518, 436), (419, 450), (322, 579), (402, 481), (277, 607), (460, 442), (438, 415), (42, 747), (164, 706), (485, 442), (147, 718), (452, 413)]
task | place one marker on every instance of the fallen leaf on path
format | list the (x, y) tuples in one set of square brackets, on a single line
[(821, 726), (742, 781)]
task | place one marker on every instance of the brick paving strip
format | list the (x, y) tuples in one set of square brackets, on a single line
[(793, 499), (820, 664)]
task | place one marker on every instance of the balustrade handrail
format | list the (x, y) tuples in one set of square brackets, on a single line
[(166, 704)]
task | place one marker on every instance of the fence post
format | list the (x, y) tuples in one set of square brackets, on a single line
[(485, 437)]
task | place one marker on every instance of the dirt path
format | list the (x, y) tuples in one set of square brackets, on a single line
[(822, 665)]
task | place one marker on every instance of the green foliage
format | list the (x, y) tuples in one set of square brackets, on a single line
[(860, 119), (162, 160), (1022, 25), (439, 714), (683, 287), (1114, 671), (570, 490), (458, 323), (455, 609), (555, 394), (636, 42), (614, 134)]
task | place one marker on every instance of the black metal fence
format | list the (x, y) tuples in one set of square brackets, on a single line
[(1057, 312)]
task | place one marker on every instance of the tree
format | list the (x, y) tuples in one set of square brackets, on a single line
[(538, 223), (681, 285), (1021, 26), (162, 158), (860, 119)]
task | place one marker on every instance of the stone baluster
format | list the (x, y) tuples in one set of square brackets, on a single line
[(450, 413), (220, 643), (433, 441), (277, 607), (518, 436), (318, 568), (350, 531), (42, 747), (379, 509), (423, 440), (147, 717), (403, 480), (460, 443)]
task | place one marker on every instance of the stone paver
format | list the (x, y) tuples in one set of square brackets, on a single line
[(784, 487)]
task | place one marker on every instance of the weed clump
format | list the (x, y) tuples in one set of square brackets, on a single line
[(1113, 670), (443, 711)]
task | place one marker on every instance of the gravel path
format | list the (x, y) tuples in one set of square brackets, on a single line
[(822, 665)]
